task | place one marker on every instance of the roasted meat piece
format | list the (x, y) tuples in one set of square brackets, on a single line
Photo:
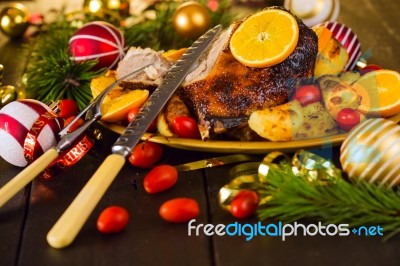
[(222, 92), (151, 77)]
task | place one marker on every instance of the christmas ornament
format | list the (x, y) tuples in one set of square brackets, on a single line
[(27, 129), (313, 12), (371, 152), (93, 6), (14, 20), (7, 93), (98, 40), (120, 6), (1, 74), (191, 19), (348, 39)]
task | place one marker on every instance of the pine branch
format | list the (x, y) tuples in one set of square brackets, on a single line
[(51, 75), (159, 33), (294, 198)]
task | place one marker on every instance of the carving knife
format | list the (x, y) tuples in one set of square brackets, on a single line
[(69, 224)]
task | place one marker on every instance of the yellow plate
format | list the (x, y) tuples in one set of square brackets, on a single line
[(253, 147)]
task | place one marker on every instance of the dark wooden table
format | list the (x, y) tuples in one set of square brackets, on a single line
[(148, 240)]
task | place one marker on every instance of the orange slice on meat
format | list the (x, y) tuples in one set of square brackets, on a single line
[(265, 39)]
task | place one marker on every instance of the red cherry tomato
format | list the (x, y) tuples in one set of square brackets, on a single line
[(244, 204), (186, 127), (179, 210), (160, 178), (67, 108), (77, 124), (132, 114), (348, 118), (112, 220), (308, 94), (369, 68), (146, 154)]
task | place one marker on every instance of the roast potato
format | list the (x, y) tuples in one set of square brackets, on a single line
[(279, 123), (337, 95), (317, 122)]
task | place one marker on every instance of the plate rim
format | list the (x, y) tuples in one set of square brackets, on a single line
[(231, 146)]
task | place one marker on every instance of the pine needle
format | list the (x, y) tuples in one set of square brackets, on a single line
[(51, 74), (294, 198)]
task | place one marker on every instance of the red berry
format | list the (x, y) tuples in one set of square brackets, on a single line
[(146, 154), (112, 220), (179, 210), (369, 68), (244, 204), (68, 108), (186, 127), (348, 118), (308, 94), (160, 178)]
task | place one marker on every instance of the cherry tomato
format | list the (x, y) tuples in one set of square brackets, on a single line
[(186, 127), (244, 204), (112, 220), (369, 68), (160, 178), (308, 94), (77, 124), (146, 154), (179, 210), (132, 114), (347, 118), (67, 108)]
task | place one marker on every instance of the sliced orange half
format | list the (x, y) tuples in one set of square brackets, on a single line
[(116, 109), (265, 39), (380, 92)]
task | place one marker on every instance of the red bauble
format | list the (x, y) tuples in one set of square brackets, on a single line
[(98, 40)]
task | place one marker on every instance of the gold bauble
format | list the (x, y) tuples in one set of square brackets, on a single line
[(14, 20), (191, 19), (371, 152)]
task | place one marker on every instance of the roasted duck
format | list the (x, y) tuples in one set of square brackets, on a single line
[(222, 92)]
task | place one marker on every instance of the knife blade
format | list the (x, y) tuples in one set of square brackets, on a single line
[(216, 161), (69, 224)]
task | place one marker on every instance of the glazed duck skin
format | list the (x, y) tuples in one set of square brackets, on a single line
[(223, 92)]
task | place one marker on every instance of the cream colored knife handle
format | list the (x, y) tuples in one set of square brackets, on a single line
[(26, 175), (70, 223)]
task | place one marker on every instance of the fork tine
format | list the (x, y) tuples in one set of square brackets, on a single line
[(94, 106)]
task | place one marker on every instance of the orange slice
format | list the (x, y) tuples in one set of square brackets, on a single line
[(324, 35), (174, 55), (380, 92), (116, 109), (265, 39)]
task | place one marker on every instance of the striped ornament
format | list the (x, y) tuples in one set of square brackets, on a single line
[(371, 152), (16, 121), (313, 12), (98, 40), (348, 39)]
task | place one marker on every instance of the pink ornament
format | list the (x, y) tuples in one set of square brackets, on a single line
[(16, 121), (348, 39), (98, 40)]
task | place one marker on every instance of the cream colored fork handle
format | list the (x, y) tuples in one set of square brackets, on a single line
[(26, 175), (70, 223)]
